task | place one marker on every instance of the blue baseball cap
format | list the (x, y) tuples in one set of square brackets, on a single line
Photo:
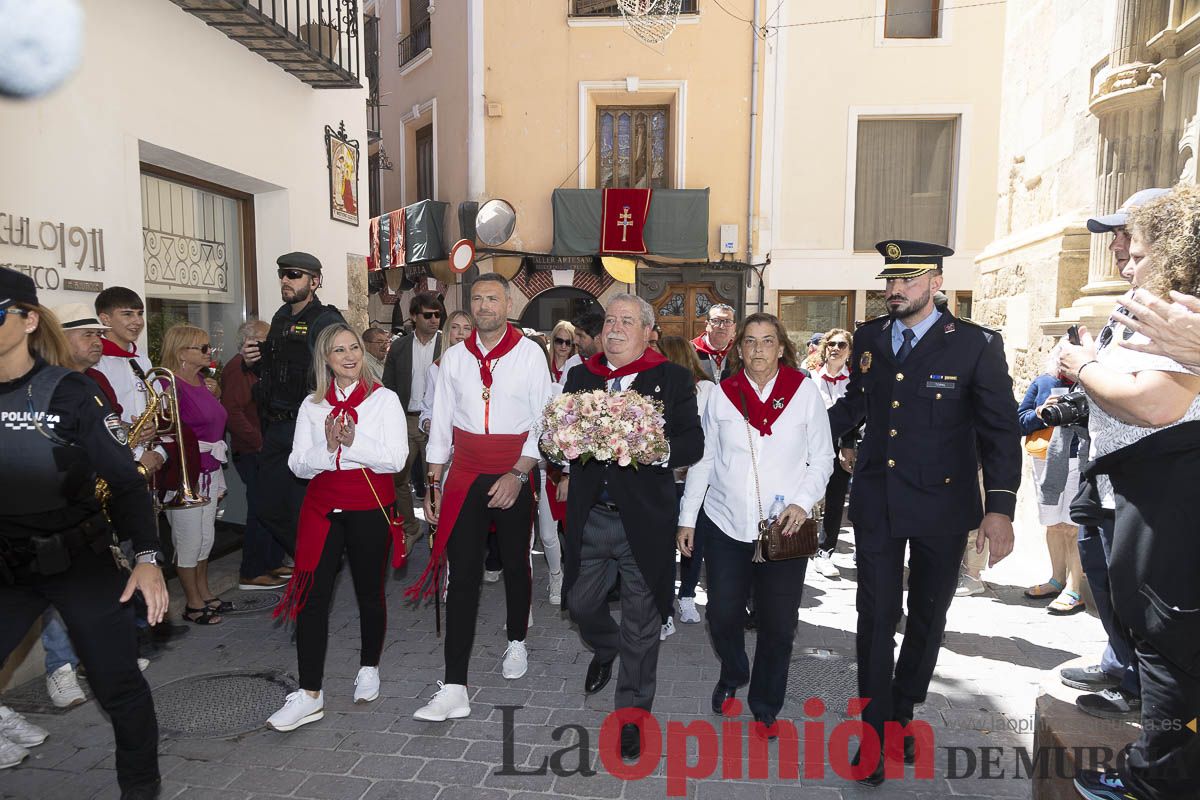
[(1120, 217)]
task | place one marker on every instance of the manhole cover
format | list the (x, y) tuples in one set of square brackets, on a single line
[(250, 602), (824, 674), (221, 705)]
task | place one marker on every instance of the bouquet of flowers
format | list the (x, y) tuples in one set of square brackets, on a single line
[(624, 427)]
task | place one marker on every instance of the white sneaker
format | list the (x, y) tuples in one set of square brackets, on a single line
[(667, 629), (143, 663), (19, 730), (968, 586), (516, 660), (825, 566), (299, 709), (556, 579), (63, 687), (366, 685), (11, 753), (450, 702), (492, 575), (687, 610)]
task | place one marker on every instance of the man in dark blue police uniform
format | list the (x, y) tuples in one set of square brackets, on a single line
[(938, 402)]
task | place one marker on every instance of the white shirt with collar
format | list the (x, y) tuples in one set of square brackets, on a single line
[(795, 461), (520, 390), (130, 390), (831, 391), (380, 436), (422, 357)]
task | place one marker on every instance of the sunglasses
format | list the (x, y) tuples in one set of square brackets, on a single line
[(839, 345), (20, 312), (431, 314), (203, 348), (292, 274), (563, 342)]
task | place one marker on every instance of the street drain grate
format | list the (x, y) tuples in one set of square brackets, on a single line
[(251, 602), (825, 674), (221, 705)]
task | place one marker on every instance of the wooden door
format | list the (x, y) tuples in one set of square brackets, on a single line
[(682, 309)]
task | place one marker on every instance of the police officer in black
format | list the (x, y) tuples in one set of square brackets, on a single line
[(56, 542), (283, 363), (937, 399)]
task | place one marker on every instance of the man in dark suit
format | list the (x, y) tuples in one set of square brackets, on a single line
[(404, 372), (937, 397), (619, 520)]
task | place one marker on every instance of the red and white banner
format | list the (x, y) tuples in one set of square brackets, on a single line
[(623, 221)]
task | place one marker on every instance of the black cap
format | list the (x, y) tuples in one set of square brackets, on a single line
[(305, 262), (16, 287), (908, 259)]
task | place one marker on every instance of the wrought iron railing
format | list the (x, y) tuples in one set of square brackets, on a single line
[(609, 8), (417, 41), (371, 65)]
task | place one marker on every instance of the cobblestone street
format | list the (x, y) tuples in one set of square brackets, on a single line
[(997, 647)]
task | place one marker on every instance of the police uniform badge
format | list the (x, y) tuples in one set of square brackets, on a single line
[(116, 430), (864, 363), (949, 328)]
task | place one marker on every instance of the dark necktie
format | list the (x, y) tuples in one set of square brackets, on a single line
[(616, 387), (906, 346)]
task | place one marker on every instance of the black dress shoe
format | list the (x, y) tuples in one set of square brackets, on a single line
[(145, 791), (631, 741), (598, 674), (720, 695), (876, 777), (751, 619), (910, 743)]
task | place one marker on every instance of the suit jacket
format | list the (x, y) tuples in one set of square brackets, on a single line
[(397, 372), (931, 423), (646, 497)]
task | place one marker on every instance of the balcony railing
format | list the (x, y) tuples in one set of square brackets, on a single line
[(609, 8), (315, 40), (371, 67), (417, 42)]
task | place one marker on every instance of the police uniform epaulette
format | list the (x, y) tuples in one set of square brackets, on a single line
[(865, 323), (975, 324)]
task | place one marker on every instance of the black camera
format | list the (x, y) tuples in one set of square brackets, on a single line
[(1071, 409)]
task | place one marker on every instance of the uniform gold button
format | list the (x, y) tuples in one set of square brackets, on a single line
[(891, 462), (899, 376), (937, 396), (892, 432), (895, 404), (947, 480)]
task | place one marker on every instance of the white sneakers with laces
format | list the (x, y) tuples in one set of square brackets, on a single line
[(17, 734), (366, 685), (300, 708), (450, 702), (823, 563), (63, 687), (668, 628), (556, 579), (687, 610), (516, 660)]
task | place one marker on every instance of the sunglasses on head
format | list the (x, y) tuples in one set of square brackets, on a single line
[(20, 312), (292, 274), (431, 314), (563, 342), (203, 348)]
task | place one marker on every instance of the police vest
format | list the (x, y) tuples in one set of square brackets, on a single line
[(30, 473), (286, 376)]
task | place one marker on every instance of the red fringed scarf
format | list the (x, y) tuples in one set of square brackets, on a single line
[(762, 415), (598, 365), (475, 454), (505, 346), (111, 348), (718, 356)]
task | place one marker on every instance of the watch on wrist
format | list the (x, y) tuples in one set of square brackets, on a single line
[(523, 477), (149, 557)]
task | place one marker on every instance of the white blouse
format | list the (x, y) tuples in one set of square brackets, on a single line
[(380, 436), (795, 461), (831, 392)]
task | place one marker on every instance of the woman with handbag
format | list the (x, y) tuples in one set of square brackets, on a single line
[(766, 436), (350, 437)]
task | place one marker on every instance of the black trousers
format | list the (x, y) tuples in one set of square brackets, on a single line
[(777, 588), (1164, 762), (835, 505), (280, 492), (895, 686), (105, 638), (465, 553), (1095, 547), (365, 539)]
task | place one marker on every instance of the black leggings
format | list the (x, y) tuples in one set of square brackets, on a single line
[(366, 541), (835, 502)]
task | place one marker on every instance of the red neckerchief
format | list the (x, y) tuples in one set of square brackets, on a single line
[(701, 344), (835, 378), (555, 371), (506, 344), (598, 365), (347, 407), (111, 348), (761, 415)]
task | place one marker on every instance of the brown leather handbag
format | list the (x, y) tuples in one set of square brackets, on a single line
[(772, 544)]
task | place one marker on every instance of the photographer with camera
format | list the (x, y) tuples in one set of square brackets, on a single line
[(1144, 426)]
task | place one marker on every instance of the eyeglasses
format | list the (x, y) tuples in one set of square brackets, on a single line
[(20, 312), (839, 345), (203, 348), (721, 323), (562, 342), (431, 314), (292, 274)]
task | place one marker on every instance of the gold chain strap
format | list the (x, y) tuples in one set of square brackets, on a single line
[(754, 469)]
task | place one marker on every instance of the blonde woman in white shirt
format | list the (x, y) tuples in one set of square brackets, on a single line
[(351, 436), (766, 434)]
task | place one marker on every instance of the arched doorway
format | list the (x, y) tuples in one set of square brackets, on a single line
[(563, 302)]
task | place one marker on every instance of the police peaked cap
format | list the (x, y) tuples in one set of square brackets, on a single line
[(908, 259), (305, 262)]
